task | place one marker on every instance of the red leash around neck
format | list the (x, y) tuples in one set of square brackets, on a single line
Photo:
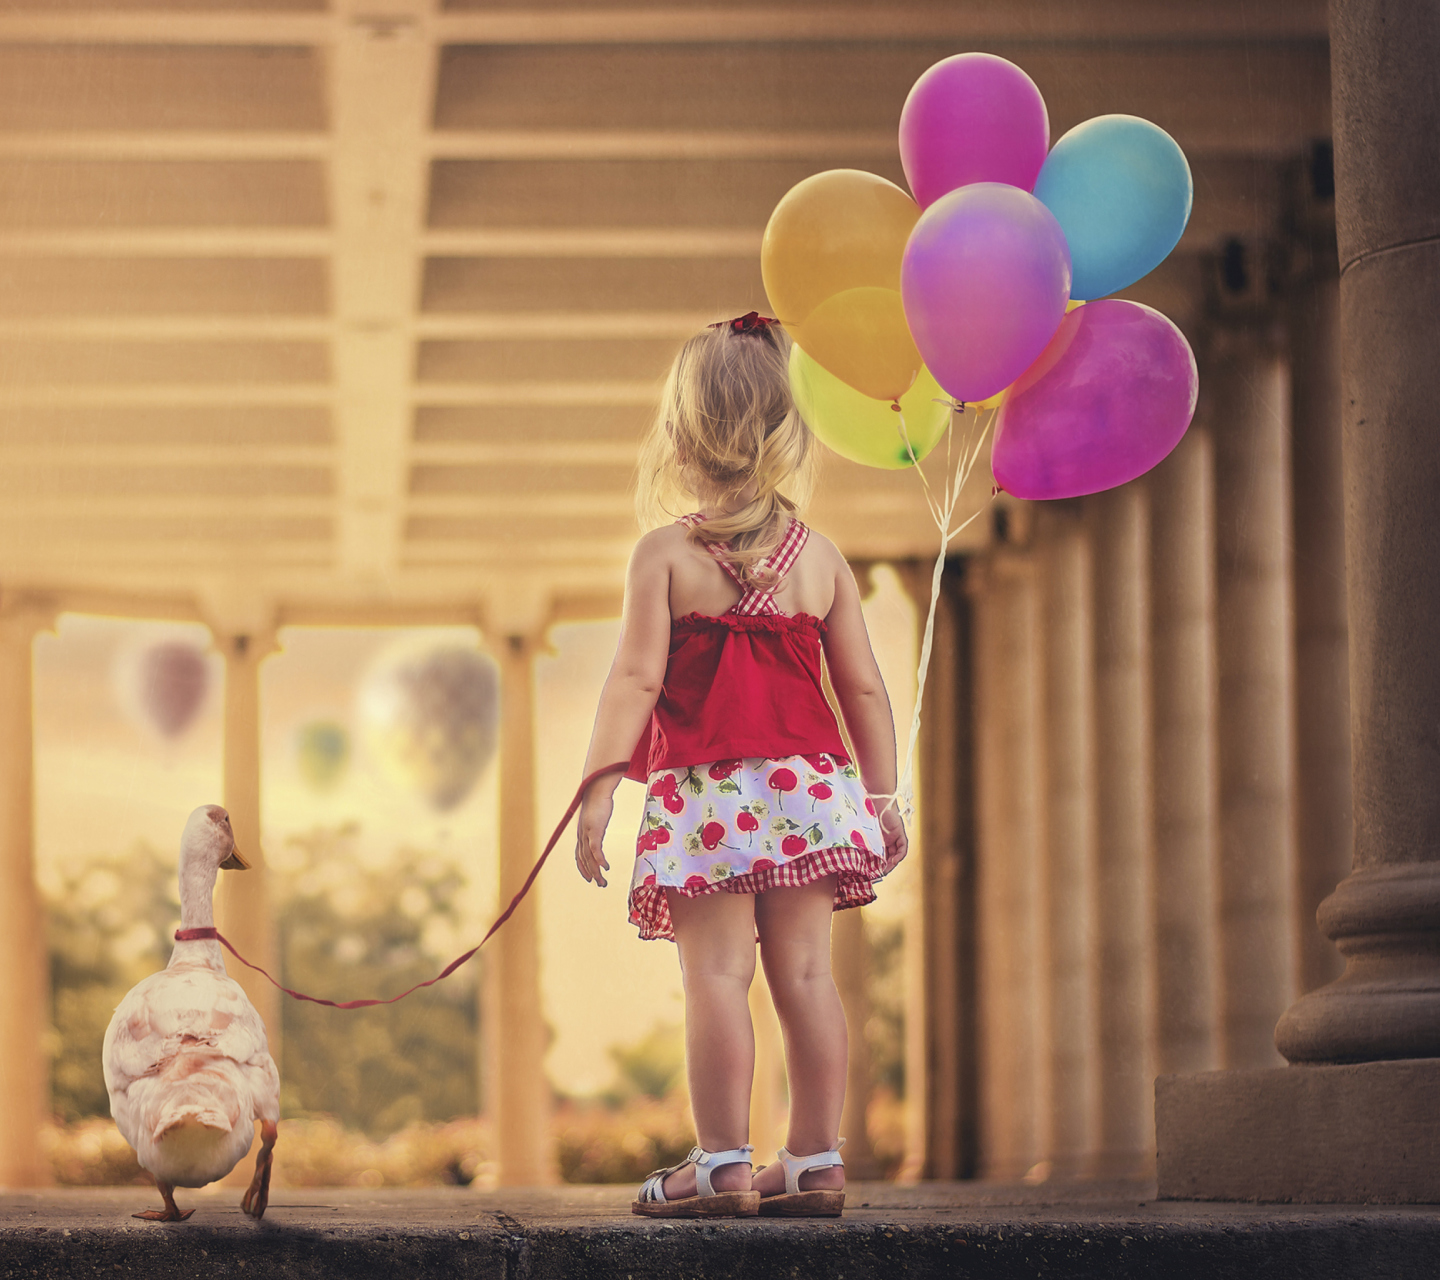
[(214, 935)]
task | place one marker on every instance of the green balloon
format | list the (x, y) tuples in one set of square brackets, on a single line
[(323, 751), (863, 429)]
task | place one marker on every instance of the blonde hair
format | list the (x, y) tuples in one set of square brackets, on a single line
[(727, 412)]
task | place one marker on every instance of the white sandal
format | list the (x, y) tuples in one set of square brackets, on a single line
[(707, 1203), (795, 1203)]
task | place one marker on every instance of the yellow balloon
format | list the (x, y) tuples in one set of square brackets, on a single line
[(864, 429), (860, 336), (840, 233)]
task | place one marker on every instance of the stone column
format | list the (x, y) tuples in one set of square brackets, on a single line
[(1068, 880), (1324, 826), (1124, 950), (1009, 764), (243, 910), (944, 831), (1182, 700), (849, 962), (1356, 1121), (520, 1102), (24, 993), (1248, 408), (1385, 916)]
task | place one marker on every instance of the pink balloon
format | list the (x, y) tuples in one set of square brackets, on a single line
[(173, 677), (1109, 398), (985, 280), (972, 118)]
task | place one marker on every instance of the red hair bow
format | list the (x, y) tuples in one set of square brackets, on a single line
[(750, 322)]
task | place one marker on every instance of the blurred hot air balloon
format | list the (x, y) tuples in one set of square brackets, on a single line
[(322, 751), (433, 719), (172, 677)]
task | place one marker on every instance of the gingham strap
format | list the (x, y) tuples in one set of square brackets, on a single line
[(757, 600)]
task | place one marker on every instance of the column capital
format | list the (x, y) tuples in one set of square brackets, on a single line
[(518, 610), (242, 621), (23, 615)]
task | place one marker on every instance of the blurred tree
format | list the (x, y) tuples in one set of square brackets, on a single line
[(651, 1067), (345, 931), (111, 921)]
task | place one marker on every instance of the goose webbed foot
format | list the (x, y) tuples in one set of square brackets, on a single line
[(170, 1213), (257, 1194)]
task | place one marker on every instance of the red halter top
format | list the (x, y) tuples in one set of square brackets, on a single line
[(744, 683)]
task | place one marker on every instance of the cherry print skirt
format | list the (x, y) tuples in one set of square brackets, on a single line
[(745, 826)]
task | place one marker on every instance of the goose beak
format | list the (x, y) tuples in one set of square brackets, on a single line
[(234, 862)]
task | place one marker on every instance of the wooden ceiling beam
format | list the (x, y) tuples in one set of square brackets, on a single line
[(178, 144), (658, 144), (157, 394), (1047, 21), (539, 393), (382, 86)]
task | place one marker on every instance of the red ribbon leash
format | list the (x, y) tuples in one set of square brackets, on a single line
[(214, 935)]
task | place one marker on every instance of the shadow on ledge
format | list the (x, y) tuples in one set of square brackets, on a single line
[(1058, 1230)]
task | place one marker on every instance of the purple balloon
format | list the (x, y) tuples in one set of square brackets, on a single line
[(972, 118), (1109, 398), (985, 280)]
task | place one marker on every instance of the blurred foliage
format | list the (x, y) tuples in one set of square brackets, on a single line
[(383, 1096), (599, 1143), (885, 1032), (310, 1153), (91, 1153), (324, 1153), (348, 931), (111, 921), (651, 1067), (345, 931)]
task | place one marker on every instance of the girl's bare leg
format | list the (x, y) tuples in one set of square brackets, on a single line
[(794, 927), (716, 937)]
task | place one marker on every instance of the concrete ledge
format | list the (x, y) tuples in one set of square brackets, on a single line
[(1363, 1133), (1075, 1230)]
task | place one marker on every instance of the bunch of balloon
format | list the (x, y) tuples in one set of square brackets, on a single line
[(1010, 237)]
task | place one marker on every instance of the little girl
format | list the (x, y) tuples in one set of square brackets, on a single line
[(757, 823)]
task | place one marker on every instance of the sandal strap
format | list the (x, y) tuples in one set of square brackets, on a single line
[(652, 1190), (794, 1166), (706, 1162)]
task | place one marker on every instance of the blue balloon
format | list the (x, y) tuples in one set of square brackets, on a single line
[(1121, 191)]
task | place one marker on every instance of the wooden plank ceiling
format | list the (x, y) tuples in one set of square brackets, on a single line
[(363, 308)]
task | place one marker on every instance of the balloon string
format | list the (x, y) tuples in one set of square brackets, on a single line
[(208, 933), (942, 510)]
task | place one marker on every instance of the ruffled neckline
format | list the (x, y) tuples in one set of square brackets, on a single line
[(773, 622)]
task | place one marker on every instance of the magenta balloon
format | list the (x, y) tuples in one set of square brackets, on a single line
[(972, 118), (985, 280), (1109, 398)]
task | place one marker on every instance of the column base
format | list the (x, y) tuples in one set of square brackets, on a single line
[(1357, 1133)]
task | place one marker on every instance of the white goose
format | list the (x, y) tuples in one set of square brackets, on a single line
[(186, 1060)]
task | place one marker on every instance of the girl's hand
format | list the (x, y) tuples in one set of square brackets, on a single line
[(595, 811), (892, 831)]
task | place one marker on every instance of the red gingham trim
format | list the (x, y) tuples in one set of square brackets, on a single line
[(782, 559), (856, 870)]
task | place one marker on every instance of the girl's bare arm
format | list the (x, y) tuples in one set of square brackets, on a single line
[(628, 697), (855, 676)]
